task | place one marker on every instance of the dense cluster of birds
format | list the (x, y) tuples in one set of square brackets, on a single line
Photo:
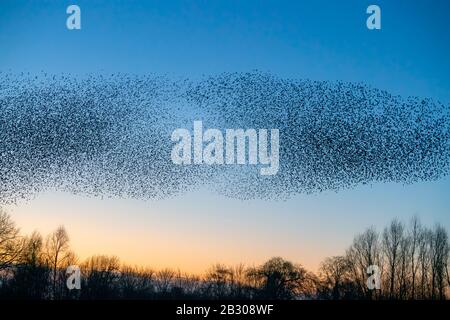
[(109, 135)]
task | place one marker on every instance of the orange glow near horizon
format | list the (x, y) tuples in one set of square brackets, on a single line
[(191, 232), (140, 234)]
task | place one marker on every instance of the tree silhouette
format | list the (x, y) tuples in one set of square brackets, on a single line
[(279, 279), (413, 262), (31, 273), (335, 278), (10, 245), (57, 253), (101, 274)]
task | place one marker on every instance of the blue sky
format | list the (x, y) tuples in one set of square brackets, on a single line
[(314, 39), (321, 40)]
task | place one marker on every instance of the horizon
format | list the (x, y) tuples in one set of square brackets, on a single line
[(308, 254)]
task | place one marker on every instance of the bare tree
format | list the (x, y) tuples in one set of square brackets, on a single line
[(439, 256), (219, 281), (334, 272), (280, 279), (101, 275), (424, 261), (136, 283), (10, 244), (392, 241), (186, 285), (364, 252), (415, 238), (447, 266), (164, 280), (239, 285), (31, 276), (404, 276), (57, 252)]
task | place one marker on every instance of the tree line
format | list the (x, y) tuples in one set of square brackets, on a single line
[(412, 262)]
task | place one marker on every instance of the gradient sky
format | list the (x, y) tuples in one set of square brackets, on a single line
[(320, 40)]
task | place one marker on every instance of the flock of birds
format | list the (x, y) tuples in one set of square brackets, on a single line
[(110, 135)]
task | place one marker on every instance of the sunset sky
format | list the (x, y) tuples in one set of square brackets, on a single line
[(319, 40)]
